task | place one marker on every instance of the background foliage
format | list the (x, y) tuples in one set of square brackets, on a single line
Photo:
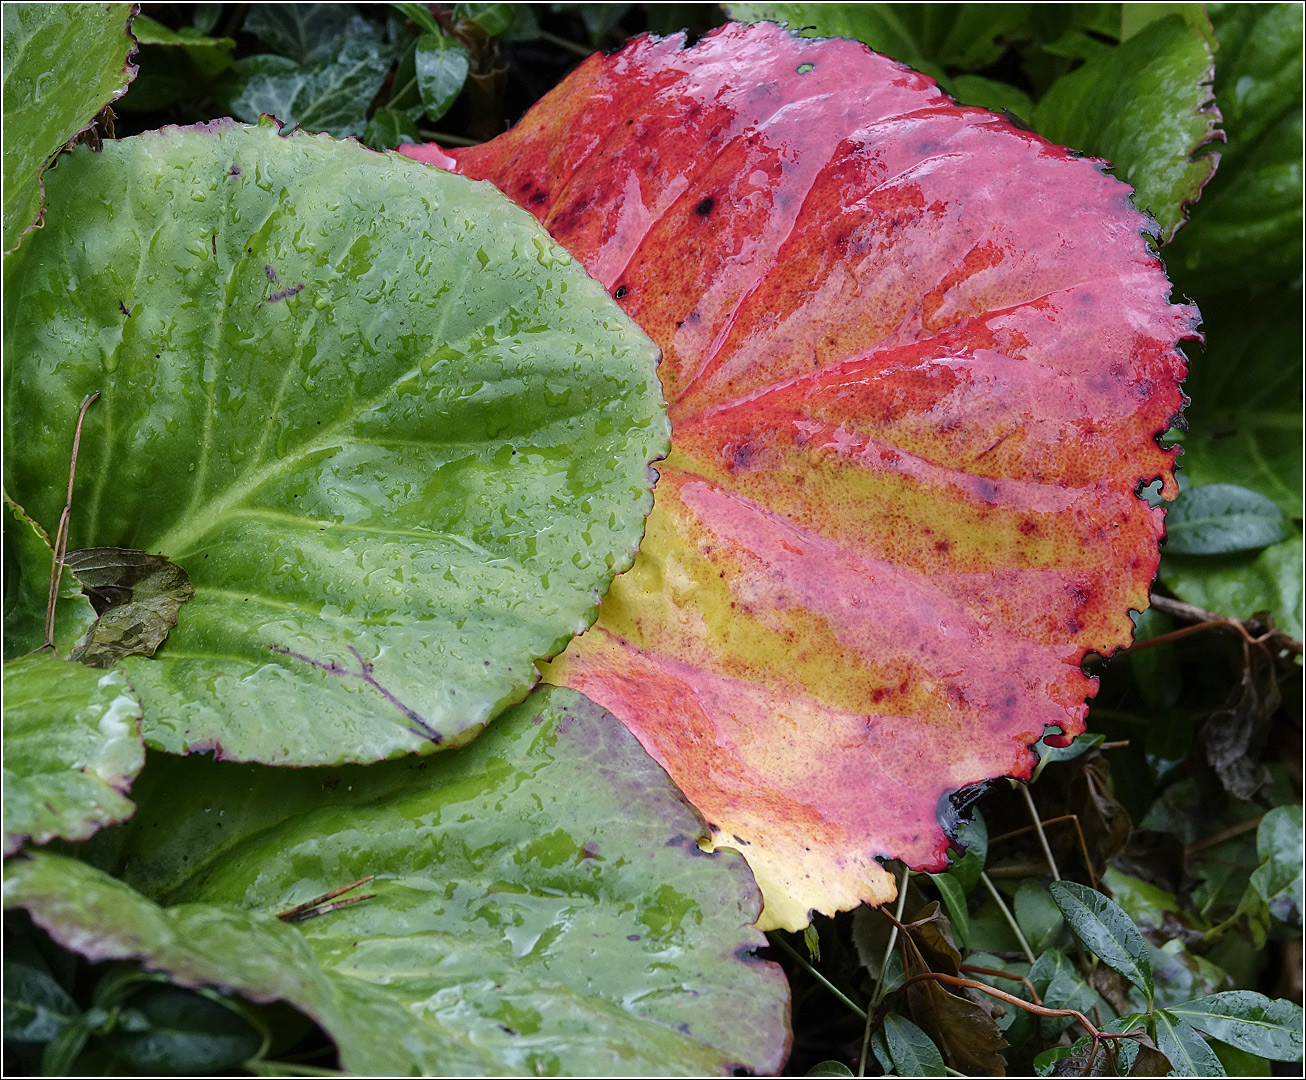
[(1182, 806)]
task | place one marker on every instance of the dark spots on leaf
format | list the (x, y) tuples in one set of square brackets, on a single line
[(156, 356), (284, 293), (680, 324), (704, 208), (506, 1029), (621, 292), (740, 840), (124, 309), (1028, 528), (214, 244), (943, 546), (235, 170), (272, 274), (632, 937), (1144, 388)]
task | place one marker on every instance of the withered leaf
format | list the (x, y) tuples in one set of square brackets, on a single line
[(1232, 739), (136, 596), (962, 1027)]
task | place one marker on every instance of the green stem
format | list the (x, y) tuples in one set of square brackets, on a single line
[(563, 43), (444, 137), (820, 978), (401, 92), (1006, 914), (884, 964), (1038, 828)]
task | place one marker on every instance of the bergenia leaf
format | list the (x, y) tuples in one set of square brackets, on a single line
[(540, 904), (72, 746), (916, 361), (47, 100), (136, 596), (395, 436)]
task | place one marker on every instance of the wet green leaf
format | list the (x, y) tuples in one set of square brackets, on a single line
[(494, 19), (136, 597), (1061, 986), (331, 95), (72, 746), (541, 902), (305, 33), (394, 480), (1188, 1052), (1145, 106), (1249, 1021), (1278, 880), (954, 900), (1242, 585), (173, 64), (1245, 420), (1247, 231), (1107, 930), (1050, 755), (36, 1007), (1220, 519), (973, 835), (904, 1048), (442, 66), (47, 100), (990, 94), (829, 1068)]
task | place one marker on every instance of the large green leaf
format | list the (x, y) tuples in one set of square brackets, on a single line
[(1249, 1021), (1189, 1053), (48, 99), (1245, 420), (72, 746), (1248, 229), (541, 904), (1146, 106), (394, 434)]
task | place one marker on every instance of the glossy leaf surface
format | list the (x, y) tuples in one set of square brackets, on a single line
[(541, 904), (72, 746), (1249, 1021), (910, 411), (1148, 107), (1243, 584), (1220, 519), (47, 101), (396, 437), (1188, 1052), (1099, 923)]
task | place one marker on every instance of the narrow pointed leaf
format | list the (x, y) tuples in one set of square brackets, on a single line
[(395, 436), (1100, 924), (1189, 1053), (72, 746), (136, 596), (1249, 1021), (1219, 519), (47, 100), (910, 408), (541, 904), (911, 1051)]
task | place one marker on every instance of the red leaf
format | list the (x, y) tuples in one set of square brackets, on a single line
[(916, 361)]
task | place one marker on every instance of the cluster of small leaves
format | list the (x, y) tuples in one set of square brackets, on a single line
[(1013, 968)]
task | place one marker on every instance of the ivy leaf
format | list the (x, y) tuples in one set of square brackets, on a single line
[(1278, 879), (910, 414), (396, 437), (136, 597), (306, 33), (442, 66), (1099, 923), (72, 746), (1249, 1021), (1148, 107), (1219, 519), (540, 897), (47, 100)]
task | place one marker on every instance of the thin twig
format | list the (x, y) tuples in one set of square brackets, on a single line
[(326, 909), (291, 913), (1006, 913), (1038, 828), (1218, 838), (820, 978), (1079, 832), (445, 137), (61, 535)]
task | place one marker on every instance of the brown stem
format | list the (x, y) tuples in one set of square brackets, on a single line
[(1004, 975), (1074, 820), (294, 914), (61, 534)]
